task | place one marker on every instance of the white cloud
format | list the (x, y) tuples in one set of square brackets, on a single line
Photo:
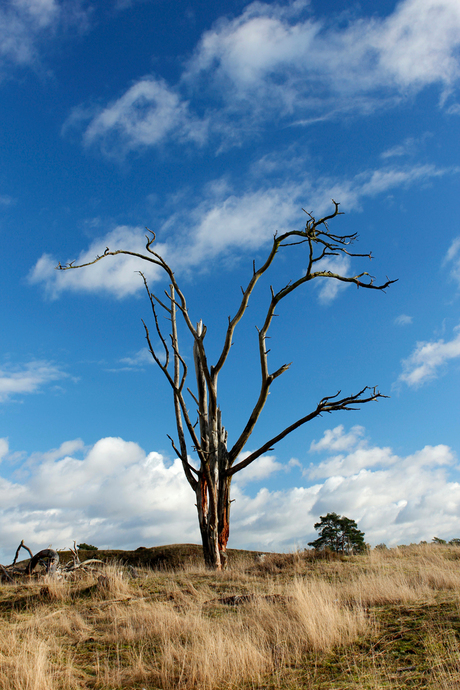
[(453, 251), (403, 320), (27, 378), (328, 288), (419, 43), (145, 115), (276, 59), (20, 25), (336, 439), (66, 448), (239, 223), (353, 463), (140, 359), (25, 23), (221, 224), (347, 466), (403, 149), (3, 448), (454, 109), (117, 275), (260, 469), (453, 258), (396, 500), (118, 496), (360, 457), (428, 358), (225, 223)]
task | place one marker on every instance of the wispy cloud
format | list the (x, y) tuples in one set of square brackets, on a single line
[(228, 221), (406, 148), (452, 259), (272, 49), (453, 109), (428, 360), (277, 62), (27, 378), (24, 24), (137, 361), (147, 114), (403, 320)]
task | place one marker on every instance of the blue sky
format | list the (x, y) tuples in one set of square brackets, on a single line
[(214, 125)]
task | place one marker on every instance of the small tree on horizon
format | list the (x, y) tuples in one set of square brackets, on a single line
[(210, 469), (339, 534)]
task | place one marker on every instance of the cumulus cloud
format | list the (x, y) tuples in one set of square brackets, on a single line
[(336, 439), (27, 378), (396, 500), (428, 360), (114, 494), (260, 469), (228, 221), (360, 456)]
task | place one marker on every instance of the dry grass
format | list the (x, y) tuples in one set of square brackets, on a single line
[(390, 619)]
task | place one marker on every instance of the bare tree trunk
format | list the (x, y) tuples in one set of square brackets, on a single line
[(214, 522)]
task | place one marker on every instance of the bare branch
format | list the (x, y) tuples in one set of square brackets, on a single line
[(327, 404), (184, 461), (72, 265), (160, 335), (355, 279), (21, 546), (179, 403)]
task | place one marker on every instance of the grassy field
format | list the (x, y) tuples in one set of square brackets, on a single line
[(389, 619)]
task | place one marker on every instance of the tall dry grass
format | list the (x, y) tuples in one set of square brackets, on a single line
[(167, 630)]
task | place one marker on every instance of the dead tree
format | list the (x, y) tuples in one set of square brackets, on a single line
[(216, 464), (48, 558)]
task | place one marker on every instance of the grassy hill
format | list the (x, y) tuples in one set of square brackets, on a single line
[(387, 619), (168, 557)]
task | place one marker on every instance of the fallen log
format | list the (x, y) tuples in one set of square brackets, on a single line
[(49, 559)]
